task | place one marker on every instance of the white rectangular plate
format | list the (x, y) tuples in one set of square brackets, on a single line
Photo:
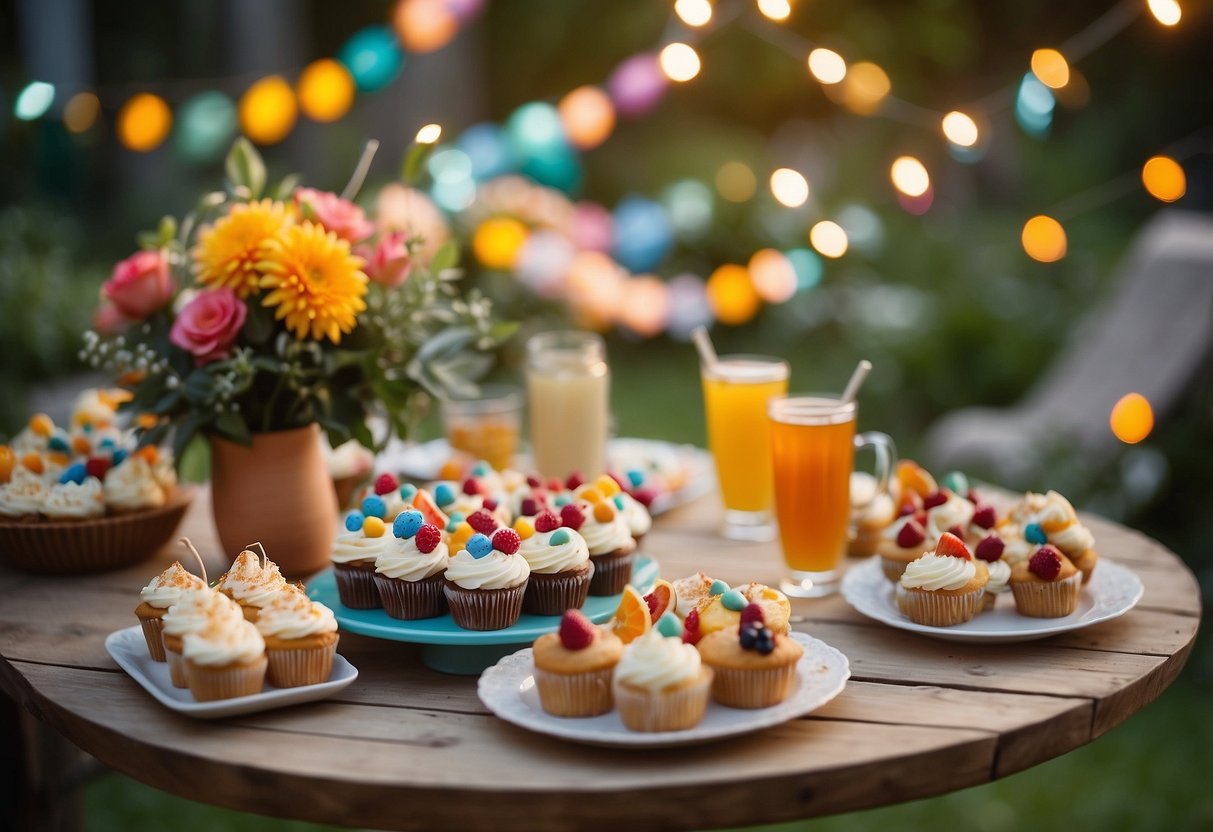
[(129, 649)]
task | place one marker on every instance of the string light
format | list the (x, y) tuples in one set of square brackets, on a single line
[(1044, 239), (865, 88), (33, 101), (909, 176), (1132, 418), (206, 123), (732, 295), (267, 110), (645, 305), (326, 90), (588, 117), (829, 239), (959, 129), (694, 12), (736, 182), (827, 66), (1163, 178), (789, 187), (143, 122), (424, 25), (497, 241), (679, 62), (1166, 12), (776, 10), (773, 275), (1051, 67), (81, 112), (430, 134), (373, 57)]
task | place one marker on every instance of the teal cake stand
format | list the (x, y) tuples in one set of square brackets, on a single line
[(452, 649)]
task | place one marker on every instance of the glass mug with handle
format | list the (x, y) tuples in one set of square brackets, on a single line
[(813, 445)]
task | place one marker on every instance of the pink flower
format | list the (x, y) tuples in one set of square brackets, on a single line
[(208, 325), (342, 217), (389, 263), (108, 320), (140, 284)]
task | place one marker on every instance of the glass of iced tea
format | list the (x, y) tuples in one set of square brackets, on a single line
[(813, 444), (736, 390)]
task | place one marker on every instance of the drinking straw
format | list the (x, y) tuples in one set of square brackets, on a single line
[(707, 353), (185, 541), (857, 378)]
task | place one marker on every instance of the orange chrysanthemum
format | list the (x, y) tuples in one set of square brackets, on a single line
[(229, 252), (314, 282)]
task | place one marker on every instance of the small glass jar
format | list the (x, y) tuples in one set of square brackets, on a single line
[(568, 387)]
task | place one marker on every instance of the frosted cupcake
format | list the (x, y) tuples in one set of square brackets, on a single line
[(23, 496), (754, 666), (354, 554), (902, 541), (661, 684), (132, 486), (162, 592), (252, 581), (191, 613), (560, 567), (943, 587), (573, 667), (70, 500), (1046, 585), (225, 660), (409, 569), (724, 607), (606, 534), (486, 582), (1049, 518), (300, 640)]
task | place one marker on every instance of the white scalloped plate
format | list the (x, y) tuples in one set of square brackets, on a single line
[(1112, 591), (129, 649), (508, 690)]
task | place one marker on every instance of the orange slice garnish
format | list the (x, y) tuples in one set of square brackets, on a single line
[(663, 599), (423, 502), (914, 477), (632, 619)]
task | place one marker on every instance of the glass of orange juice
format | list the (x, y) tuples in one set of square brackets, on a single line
[(813, 444), (736, 390)]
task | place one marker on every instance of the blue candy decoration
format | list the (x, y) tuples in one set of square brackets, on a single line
[(374, 506), (457, 516), (559, 537), (444, 494), (1033, 533), (106, 444), (636, 478), (734, 600), (669, 625), (58, 442), (119, 456), (481, 469), (619, 501), (407, 492), (719, 587), (562, 500), (407, 523), (478, 546), (87, 427), (74, 473), (956, 482), (353, 521)]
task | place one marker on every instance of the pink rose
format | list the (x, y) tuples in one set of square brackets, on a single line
[(342, 217), (208, 325), (108, 320), (140, 284), (389, 263)]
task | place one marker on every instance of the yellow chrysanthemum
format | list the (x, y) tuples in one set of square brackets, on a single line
[(230, 251), (314, 281)]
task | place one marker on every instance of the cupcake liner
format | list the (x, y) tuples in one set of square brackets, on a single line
[(865, 542), (664, 710), (485, 609), (356, 586), (412, 600), (987, 603), (933, 609), (99, 545), (297, 666), (892, 569), (210, 683), (753, 688), (176, 667), (153, 629), (575, 694), (555, 593), (612, 572), (1054, 599)]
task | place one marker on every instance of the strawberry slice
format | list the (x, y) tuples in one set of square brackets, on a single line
[(952, 546)]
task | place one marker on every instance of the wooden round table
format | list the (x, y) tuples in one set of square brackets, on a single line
[(409, 748)]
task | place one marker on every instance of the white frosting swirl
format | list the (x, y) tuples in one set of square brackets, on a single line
[(496, 570), (72, 501), (224, 643), (602, 538), (24, 494), (293, 615), (356, 547), (932, 571), (1000, 574), (27, 441), (1073, 540), (401, 559), (654, 662), (195, 608), (957, 511), (165, 473), (132, 485), (1049, 510), (246, 581), (166, 589), (547, 558), (636, 515)]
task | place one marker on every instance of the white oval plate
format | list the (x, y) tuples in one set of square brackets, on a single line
[(129, 649), (1112, 591), (508, 690)]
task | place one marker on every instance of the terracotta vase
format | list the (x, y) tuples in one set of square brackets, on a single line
[(277, 491)]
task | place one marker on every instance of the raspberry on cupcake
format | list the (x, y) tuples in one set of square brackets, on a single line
[(573, 667), (1046, 585)]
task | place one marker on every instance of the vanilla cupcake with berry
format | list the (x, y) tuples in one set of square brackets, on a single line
[(612, 547), (387, 488), (486, 581), (1050, 518), (903, 541), (410, 568), (944, 587), (1046, 585), (573, 667), (753, 666), (560, 564), (355, 551)]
